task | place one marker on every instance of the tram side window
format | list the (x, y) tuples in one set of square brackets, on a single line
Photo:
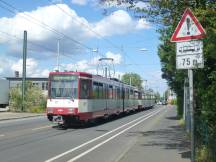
[(136, 95), (118, 93), (106, 91), (95, 90), (131, 94), (110, 92), (126, 93), (139, 95), (85, 89), (100, 91)]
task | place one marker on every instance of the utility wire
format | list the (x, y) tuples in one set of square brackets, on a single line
[(107, 40), (47, 27), (90, 29), (38, 22), (39, 45)]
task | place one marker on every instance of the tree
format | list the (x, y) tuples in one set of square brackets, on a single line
[(133, 79)]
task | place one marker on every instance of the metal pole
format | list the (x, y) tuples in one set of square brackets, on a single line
[(24, 69), (105, 72), (184, 113), (130, 81), (190, 76)]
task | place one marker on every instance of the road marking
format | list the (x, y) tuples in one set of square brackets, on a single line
[(2, 135), (95, 139), (109, 139), (47, 126)]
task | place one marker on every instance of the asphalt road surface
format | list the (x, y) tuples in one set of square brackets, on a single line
[(137, 137)]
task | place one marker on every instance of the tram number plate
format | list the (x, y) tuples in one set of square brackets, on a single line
[(189, 62)]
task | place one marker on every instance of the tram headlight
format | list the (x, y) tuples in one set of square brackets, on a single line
[(50, 110), (70, 110)]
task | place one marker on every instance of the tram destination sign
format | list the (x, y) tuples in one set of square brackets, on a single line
[(189, 54)]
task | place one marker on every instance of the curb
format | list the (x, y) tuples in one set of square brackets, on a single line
[(13, 118)]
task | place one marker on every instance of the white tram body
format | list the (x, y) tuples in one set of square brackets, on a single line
[(79, 96)]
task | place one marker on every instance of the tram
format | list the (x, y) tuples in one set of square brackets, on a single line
[(82, 97)]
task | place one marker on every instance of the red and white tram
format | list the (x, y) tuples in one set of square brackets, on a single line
[(80, 96)]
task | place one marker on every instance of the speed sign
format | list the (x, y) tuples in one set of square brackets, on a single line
[(189, 62), (189, 54)]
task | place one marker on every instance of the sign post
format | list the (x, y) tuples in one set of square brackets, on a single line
[(189, 55)]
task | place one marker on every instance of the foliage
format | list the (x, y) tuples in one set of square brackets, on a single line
[(181, 122), (157, 96), (15, 99), (173, 102), (203, 154), (34, 100), (134, 78)]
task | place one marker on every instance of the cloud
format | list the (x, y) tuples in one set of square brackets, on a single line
[(45, 26), (119, 22), (32, 68), (57, 1), (142, 24), (79, 2), (117, 58), (9, 66), (123, 5), (155, 81), (5, 66), (92, 65), (116, 4), (142, 5)]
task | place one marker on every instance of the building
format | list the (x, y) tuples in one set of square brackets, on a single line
[(41, 83)]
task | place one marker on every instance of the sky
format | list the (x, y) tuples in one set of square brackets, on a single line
[(86, 32)]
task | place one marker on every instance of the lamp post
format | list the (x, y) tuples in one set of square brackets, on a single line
[(143, 49)]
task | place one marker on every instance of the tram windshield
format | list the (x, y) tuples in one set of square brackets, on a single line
[(63, 86)]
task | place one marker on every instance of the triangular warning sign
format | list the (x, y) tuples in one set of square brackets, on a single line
[(188, 28)]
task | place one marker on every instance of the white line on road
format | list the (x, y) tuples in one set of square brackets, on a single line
[(95, 139), (109, 139), (46, 126), (2, 135)]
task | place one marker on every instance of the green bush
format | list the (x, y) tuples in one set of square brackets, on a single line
[(15, 100), (181, 122), (173, 102), (34, 100), (203, 155)]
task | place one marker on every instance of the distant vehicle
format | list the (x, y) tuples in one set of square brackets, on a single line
[(4, 93), (164, 103), (159, 103), (75, 97)]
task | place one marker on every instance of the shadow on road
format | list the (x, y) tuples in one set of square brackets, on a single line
[(173, 118), (172, 137), (99, 121)]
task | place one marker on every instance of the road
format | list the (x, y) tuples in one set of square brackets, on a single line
[(36, 140)]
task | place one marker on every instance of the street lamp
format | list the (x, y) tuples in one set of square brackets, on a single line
[(143, 49), (95, 50)]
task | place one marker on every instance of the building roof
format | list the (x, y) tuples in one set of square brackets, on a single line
[(28, 78)]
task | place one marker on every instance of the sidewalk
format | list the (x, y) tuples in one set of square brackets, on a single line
[(4, 115), (165, 141)]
